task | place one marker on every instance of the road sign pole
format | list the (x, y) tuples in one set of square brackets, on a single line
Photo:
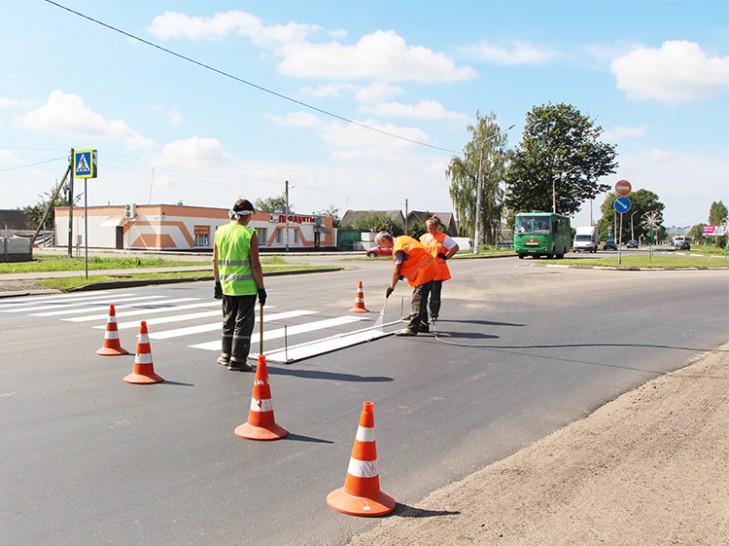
[(620, 239)]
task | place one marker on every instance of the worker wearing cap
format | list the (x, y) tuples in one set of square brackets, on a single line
[(415, 263), (442, 247), (238, 280)]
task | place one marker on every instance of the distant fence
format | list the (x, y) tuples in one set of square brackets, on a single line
[(16, 249)]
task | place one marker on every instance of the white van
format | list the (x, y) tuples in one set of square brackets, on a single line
[(586, 239)]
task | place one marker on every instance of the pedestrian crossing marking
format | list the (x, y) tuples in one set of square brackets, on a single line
[(100, 305), (288, 331), (31, 306), (81, 308), (216, 326), (149, 311)]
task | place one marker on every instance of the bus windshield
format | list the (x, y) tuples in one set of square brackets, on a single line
[(532, 224)]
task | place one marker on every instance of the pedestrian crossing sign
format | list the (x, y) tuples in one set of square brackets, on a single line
[(84, 164)]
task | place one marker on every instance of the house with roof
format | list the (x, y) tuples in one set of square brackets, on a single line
[(446, 218)]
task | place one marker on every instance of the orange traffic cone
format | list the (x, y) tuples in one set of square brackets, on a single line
[(361, 495), (143, 372), (261, 424), (359, 305), (111, 346)]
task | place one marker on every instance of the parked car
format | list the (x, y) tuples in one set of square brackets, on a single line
[(609, 245), (378, 251), (632, 244), (683, 245)]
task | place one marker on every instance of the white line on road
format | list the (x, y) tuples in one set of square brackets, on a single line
[(216, 326), (290, 331)]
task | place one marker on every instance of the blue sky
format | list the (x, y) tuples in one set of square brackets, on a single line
[(654, 74)]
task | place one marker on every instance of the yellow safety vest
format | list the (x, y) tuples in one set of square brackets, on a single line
[(234, 264)]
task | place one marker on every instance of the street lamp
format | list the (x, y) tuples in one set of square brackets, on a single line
[(479, 182)]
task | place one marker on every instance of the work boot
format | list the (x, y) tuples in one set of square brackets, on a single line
[(406, 332), (236, 366), (222, 360)]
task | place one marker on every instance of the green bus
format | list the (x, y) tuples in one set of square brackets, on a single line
[(542, 234)]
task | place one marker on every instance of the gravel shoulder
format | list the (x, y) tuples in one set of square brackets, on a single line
[(651, 467)]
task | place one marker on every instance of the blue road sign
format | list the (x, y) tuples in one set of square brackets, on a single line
[(84, 164), (622, 205)]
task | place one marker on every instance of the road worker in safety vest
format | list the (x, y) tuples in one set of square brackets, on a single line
[(238, 280), (442, 247), (416, 264)]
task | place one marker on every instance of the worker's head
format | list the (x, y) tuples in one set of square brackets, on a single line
[(242, 209), (432, 225), (384, 239)]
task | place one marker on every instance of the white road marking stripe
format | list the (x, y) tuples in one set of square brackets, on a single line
[(325, 345), (148, 311), (190, 330), (291, 331), (32, 305), (99, 305)]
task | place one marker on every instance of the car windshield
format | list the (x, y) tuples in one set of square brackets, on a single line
[(532, 224)]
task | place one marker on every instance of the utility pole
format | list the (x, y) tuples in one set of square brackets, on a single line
[(287, 216), (406, 216), (70, 208), (476, 234)]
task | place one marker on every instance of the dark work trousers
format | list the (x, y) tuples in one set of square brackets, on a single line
[(419, 307), (435, 299), (239, 317)]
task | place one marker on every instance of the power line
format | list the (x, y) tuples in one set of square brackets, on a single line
[(251, 84), (32, 164)]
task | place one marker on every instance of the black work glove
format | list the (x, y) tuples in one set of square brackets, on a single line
[(262, 296), (389, 291), (442, 256), (218, 291)]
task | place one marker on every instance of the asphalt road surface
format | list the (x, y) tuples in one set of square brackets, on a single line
[(521, 349)]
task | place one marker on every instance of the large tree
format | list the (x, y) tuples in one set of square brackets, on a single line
[(559, 161), (717, 217), (484, 155), (273, 204), (642, 202)]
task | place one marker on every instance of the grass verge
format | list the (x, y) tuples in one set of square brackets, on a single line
[(644, 261)]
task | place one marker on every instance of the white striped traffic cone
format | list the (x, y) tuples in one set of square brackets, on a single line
[(111, 346), (359, 304), (361, 495), (261, 424), (143, 372)]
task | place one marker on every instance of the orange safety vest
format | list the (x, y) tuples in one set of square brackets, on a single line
[(434, 243), (420, 267)]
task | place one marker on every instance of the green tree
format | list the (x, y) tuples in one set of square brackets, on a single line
[(641, 203), (696, 234), (333, 213), (36, 210), (718, 216), (486, 149), (559, 161), (376, 223), (273, 204)]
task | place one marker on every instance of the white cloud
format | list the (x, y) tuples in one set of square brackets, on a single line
[(66, 114), (194, 153), (425, 109), (351, 141), (380, 56), (657, 155), (329, 90), (169, 113), (221, 25), (678, 71), (520, 53), (7, 102), (9, 158), (377, 91), (621, 132), (296, 119)]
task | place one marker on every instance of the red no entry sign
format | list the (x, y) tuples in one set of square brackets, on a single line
[(622, 187)]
